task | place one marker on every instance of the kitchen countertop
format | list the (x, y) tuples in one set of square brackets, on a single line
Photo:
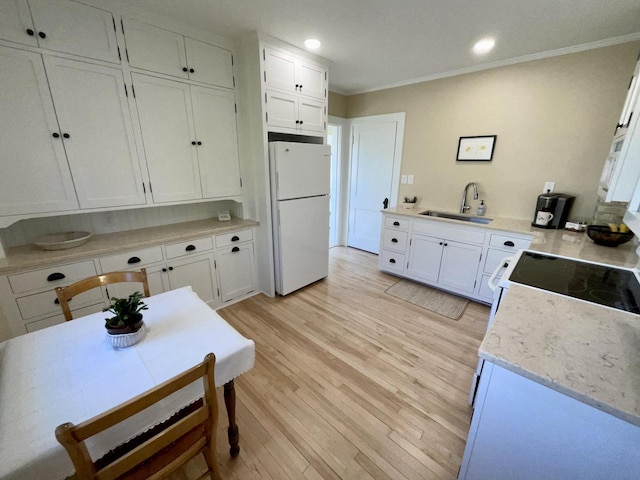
[(583, 350), (30, 256), (556, 242)]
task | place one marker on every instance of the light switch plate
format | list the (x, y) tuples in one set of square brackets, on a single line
[(403, 179), (410, 179), (548, 187)]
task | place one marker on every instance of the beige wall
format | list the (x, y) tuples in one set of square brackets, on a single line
[(554, 119), (337, 105)]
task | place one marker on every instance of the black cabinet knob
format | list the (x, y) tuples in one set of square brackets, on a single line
[(30, 32), (509, 243), (56, 135), (505, 265), (235, 249), (301, 122), (394, 240), (133, 260), (190, 248), (297, 121), (191, 70), (199, 143), (185, 69), (392, 260), (55, 276), (235, 238), (170, 268), (164, 269), (297, 85), (446, 244), (193, 143), (66, 135), (42, 35), (396, 224), (440, 243)]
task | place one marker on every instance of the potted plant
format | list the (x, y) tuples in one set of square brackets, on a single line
[(126, 326), (410, 202)]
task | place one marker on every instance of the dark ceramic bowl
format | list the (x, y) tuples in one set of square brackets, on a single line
[(602, 235)]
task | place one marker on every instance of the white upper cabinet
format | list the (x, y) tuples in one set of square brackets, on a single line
[(311, 114), (166, 120), (158, 50), (71, 27), (209, 64), (15, 22), (215, 123), (295, 112), (93, 112), (35, 175), (155, 49), (289, 73)]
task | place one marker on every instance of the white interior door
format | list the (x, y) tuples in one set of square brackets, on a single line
[(333, 140), (375, 167)]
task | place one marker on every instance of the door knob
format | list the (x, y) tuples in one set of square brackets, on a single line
[(385, 203)]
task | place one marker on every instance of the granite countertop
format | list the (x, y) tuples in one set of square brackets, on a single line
[(556, 242), (583, 350), (29, 256)]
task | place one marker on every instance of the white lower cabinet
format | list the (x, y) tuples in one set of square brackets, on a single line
[(235, 268), (458, 258), (197, 272)]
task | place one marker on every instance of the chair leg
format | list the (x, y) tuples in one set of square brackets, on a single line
[(232, 432)]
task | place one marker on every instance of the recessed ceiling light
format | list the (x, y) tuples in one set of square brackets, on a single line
[(484, 46), (312, 43)]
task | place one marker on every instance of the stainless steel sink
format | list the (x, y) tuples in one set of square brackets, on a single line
[(456, 216)]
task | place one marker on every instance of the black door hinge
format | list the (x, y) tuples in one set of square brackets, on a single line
[(144, 189), (235, 106), (264, 55), (218, 291), (150, 187), (122, 26), (265, 76), (234, 82), (232, 60), (126, 92), (119, 56), (107, 290), (126, 52), (215, 265), (114, 24), (267, 115), (241, 183), (133, 90)]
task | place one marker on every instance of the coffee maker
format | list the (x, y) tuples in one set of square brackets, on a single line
[(552, 210)]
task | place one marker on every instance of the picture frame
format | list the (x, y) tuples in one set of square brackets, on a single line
[(476, 149)]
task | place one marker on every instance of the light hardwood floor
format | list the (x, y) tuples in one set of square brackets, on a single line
[(350, 383)]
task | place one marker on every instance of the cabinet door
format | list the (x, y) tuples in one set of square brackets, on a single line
[(75, 28), (235, 270), (425, 254), (155, 49), (166, 121), (158, 279), (197, 272), (215, 122), (280, 70), (93, 110), (15, 21), (282, 109), (35, 175), (210, 64), (459, 266), (311, 80), (311, 115)]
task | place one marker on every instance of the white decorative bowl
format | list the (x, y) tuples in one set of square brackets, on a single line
[(62, 241), (126, 339)]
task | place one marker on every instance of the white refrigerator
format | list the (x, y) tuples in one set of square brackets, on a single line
[(300, 181)]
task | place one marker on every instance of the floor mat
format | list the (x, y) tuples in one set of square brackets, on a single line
[(443, 303)]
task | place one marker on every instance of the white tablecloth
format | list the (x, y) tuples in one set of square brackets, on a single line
[(69, 373)]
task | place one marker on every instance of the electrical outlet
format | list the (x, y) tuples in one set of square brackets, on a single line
[(410, 179), (403, 179), (548, 187)]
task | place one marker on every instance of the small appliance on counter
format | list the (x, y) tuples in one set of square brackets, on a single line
[(552, 210)]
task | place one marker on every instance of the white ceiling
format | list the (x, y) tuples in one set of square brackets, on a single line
[(380, 43)]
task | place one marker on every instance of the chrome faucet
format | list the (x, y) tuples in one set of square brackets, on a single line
[(463, 206)]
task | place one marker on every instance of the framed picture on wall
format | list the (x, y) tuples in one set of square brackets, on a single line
[(476, 149)]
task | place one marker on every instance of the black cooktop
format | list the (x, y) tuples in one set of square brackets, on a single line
[(610, 286)]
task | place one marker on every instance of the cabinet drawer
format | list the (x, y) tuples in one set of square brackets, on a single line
[(234, 237), (493, 259), (33, 306), (131, 260), (509, 243), (391, 261), (395, 222), (394, 239), (50, 321), (187, 248), (51, 277)]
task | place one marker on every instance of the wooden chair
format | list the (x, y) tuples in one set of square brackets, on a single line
[(67, 293), (159, 451)]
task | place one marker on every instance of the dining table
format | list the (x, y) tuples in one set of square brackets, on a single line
[(70, 373)]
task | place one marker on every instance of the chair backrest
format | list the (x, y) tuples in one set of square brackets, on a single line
[(160, 452), (67, 293)]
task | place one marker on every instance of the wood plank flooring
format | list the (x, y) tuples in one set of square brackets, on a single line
[(350, 383)]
